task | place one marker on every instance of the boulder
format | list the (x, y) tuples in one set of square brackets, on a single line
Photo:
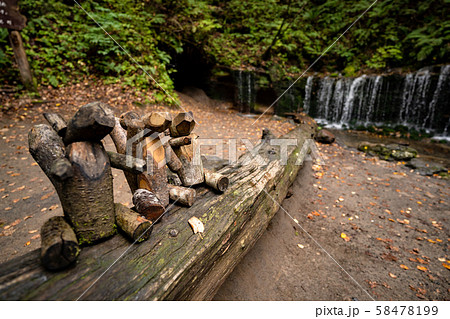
[(325, 137)]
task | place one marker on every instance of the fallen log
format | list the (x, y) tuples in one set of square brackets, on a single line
[(174, 264)]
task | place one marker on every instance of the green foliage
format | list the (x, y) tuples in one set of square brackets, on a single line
[(281, 37)]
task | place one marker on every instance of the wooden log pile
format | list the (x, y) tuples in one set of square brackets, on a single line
[(174, 263), (72, 155)]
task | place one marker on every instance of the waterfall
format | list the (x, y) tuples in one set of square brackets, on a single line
[(308, 91), (348, 107), (445, 71), (249, 91), (420, 100), (415, 91), (373, 96), (324, 96)]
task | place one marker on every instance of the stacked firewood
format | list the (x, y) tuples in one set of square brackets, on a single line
[(160, 141), (73, 157)]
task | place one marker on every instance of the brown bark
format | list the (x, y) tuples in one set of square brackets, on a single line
[(148, 204), (172, 160), (57, 123), (156, 175), (61, 169), (157, 121), (182, 195), (134, 225), (59, 245), (127, 163), (180, 141), (217, 181), (21, 60), (87, 197), (119, 137), (191, 172), (182, 124), (90, 123)]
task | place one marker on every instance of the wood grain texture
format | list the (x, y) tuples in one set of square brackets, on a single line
[(184, 267)]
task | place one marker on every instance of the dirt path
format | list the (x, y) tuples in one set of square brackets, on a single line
[(27, 197), (392, 218)]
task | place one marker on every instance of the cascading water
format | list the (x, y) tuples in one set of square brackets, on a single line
[(419, 100), (245, 96), (352, 95), (308, 91)]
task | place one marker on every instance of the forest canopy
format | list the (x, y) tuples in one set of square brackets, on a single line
[(276, 36)]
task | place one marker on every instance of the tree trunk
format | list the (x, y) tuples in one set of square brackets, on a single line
[(59, 245), (22, 61), (87, 198), (184, 267)]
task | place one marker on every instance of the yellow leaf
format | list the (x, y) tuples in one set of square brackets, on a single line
[(343, 235), (446, 265), (404, 267), (422, 268), (27, 243), (301, 246)]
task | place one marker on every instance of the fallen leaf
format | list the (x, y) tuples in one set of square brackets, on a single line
[(301, 246), (345, 237), (196, 224), (446, 265), (53, 207), (27, 217), (422, 268), (32, 231), (27, 243), (404, 267), (392, 275), (47, 195), (35, 236)]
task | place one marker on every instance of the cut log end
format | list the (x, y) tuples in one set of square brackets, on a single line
[(217, 181), (90, 123), (182, 124), (148, 204), (157, 121), (59, 245), (135, 226), (61, 169), (183, 195)]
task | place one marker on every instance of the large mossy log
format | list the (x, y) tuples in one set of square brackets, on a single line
[(181, 265)]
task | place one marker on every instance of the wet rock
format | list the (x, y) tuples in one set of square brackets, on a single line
[(325, 137), (425, 168)]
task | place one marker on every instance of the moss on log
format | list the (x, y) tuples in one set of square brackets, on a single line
[(184, 267)]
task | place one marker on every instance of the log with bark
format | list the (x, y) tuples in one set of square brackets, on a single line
[(90, 123), (59, 245), (132, 224), (182, 265), (57, 123), (191, 173)]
